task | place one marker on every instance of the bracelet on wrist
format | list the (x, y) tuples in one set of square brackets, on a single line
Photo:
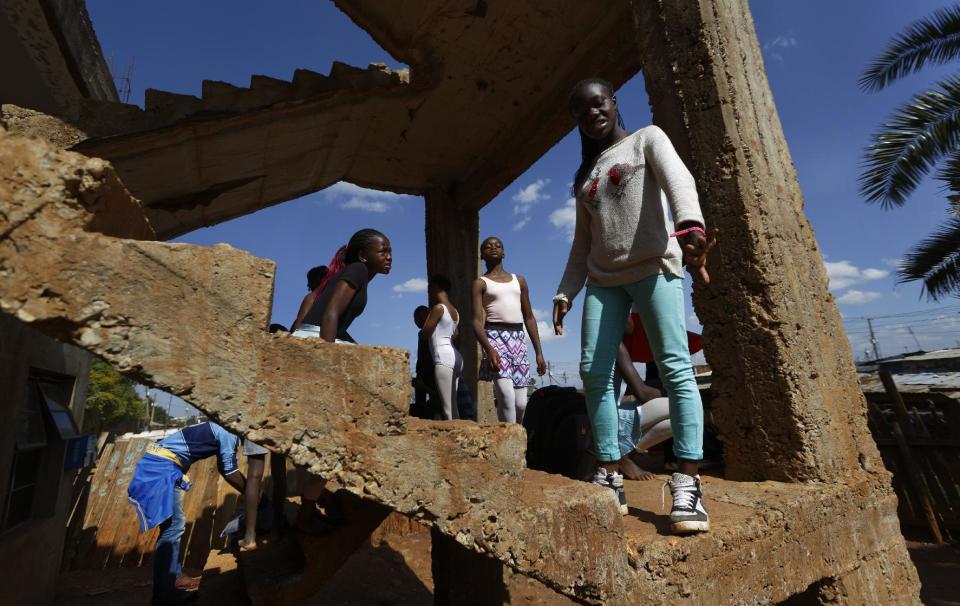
[(683, 232)]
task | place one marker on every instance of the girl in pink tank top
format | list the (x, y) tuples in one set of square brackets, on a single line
[(501, 304)]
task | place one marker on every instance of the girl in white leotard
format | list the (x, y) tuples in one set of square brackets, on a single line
[(440, 328)]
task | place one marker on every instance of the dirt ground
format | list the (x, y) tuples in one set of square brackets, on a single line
[(939, 568), (397, 571)]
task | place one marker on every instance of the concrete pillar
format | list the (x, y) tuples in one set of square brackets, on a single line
[(453, 249), (786, 396)]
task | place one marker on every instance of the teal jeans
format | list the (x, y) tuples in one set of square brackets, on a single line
[(659, 301)]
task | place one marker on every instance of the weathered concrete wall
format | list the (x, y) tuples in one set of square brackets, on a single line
[(786, 396), (51, 56)]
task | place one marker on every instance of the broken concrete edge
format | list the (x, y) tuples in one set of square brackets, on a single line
[(88, 188), (25, 122), (842, 524), (425, 65)]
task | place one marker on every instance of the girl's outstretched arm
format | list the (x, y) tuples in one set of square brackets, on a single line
[(530, 321), (430, 325), (478, 320), (342, 294)]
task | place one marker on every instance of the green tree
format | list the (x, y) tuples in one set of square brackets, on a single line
[(112, 403), (921, 135)]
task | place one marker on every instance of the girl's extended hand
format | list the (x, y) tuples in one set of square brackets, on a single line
[(541, 365), (695, 248), (560, 309)]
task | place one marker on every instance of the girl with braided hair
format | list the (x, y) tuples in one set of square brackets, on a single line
[(628, 251)]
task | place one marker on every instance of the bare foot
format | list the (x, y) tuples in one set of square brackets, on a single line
[(247, 545), (187, 582), (631, 471)]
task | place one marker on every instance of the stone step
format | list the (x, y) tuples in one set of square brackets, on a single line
[(265, 90), (171, 104), (309, 83), (163, 108), (219, 96)]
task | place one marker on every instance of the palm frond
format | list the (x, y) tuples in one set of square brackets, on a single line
[(934, 39), (936, 262), (949, 173), (906, 147)]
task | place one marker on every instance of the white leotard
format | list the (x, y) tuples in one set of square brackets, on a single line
[(501, 301), (444, 353)]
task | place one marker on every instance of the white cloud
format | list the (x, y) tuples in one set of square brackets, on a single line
[(874, 274), (412, 285), (894, 263), (857, 297), (775, 47), (783, 41), (521, 223), (530, 195), (545, 325), (526, 198), (843, 274), (353, 197), (366, 204), (565, 218)]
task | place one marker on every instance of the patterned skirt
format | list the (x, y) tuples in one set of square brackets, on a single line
[(511, 346)]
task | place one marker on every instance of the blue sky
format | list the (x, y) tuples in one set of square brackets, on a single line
[(814, 51)]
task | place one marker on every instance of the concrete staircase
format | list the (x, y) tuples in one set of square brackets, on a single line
[(265, 91)]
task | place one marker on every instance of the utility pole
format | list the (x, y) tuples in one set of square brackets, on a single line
[(917, 341), (873, 340), (151, 402)]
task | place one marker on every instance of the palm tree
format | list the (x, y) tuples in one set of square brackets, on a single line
[(921, 134)]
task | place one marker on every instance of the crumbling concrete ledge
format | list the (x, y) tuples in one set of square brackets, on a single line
[(76, 263), (774, 540)]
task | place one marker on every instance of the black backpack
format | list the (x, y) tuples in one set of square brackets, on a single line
[(558, 430)]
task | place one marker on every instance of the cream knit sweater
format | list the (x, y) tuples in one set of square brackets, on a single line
[(623, 230)]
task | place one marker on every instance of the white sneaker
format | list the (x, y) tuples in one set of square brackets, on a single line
[(613, 481), (688, 513)]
